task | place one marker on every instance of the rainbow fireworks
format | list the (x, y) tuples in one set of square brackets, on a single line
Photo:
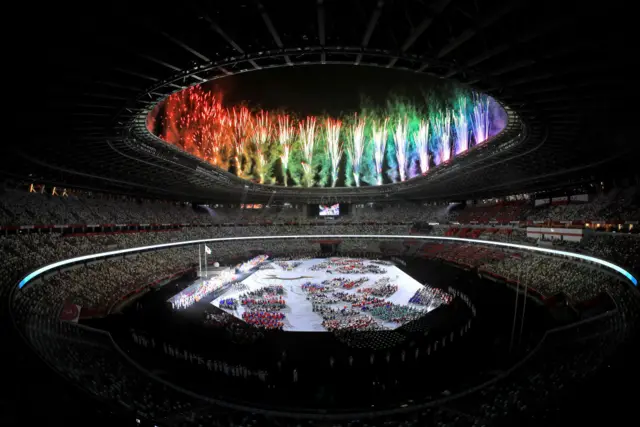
[(355, 148), (285, 135), (442, 130), (308, 140), (400, 138), (390, 145), (421, 140), (262, 131), (380, 146), (480, 122), (461, 125), (334, 147)]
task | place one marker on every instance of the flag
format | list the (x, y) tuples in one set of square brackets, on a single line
[(207, 249)]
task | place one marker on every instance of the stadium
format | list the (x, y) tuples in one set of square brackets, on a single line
[(345, 213)]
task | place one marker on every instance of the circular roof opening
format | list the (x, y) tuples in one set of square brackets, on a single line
[(327, 126)]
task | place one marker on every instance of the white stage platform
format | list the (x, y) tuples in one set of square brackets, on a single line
[(299, 314)]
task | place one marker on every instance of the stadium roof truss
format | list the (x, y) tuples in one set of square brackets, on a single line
[(547, 72)]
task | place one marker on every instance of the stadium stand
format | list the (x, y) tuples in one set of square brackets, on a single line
[(88, 357)]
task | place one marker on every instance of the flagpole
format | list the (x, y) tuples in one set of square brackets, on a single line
[(206, 268), (200, 260)]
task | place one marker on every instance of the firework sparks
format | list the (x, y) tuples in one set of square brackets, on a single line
[(240, 129), (251, 142), (335, 149), (400, 138), (217, 130), (443, 132), (461, 125), (480, 122), (285, 135), (308, 138), (263, 128), (356, 148), (380, 145), (422, 145)]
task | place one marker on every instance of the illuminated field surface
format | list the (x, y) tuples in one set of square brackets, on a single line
[(298, 310)]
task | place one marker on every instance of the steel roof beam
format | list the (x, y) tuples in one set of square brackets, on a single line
[(527, 37), (321, 25), (136, 74), (186, 47), (272, 29), (529, 79), (119, 86), (106, 96), (158, 61), (512, 67), (373, 21), (468, 34), (424, 25), (321, 29), (215, 27), (89, 114), (108, 107)]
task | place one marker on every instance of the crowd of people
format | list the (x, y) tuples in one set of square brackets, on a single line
[(395, 313), (550, 276), (39, 205), (348, 266), (268, 302), (228, 303), (197, 291), (366, 307), (381, 288), (430, 297), (267, 299), (89, 358), (345, 282), (288, 265), (268, 319)]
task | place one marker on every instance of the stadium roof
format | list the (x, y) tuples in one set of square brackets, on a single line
[(562, 72)]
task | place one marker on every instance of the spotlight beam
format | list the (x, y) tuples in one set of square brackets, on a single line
[(373, 21), (186, 47), (272, 30)]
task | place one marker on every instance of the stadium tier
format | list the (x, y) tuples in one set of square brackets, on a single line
[(322, 213), (353, 310)]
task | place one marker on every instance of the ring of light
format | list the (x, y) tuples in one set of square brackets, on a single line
[(76, 260)]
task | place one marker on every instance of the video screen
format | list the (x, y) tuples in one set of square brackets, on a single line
[(330, 210)]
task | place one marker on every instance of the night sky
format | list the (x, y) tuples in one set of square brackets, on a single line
[(316, 89)]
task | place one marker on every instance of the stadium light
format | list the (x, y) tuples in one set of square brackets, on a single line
[(31, 276)]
